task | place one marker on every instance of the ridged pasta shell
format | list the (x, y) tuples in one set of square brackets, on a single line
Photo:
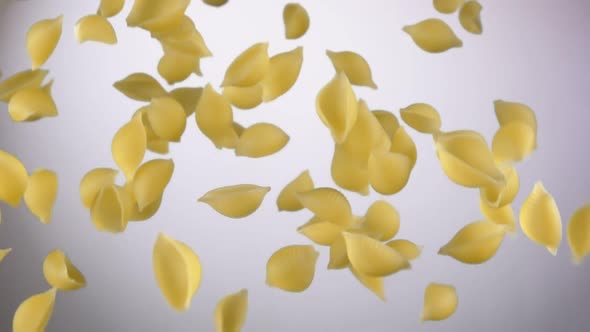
[(355, 67), (31, 104), (140, 86), (447, 6), (323, 233), (176, 66), (177, 270), (215, 119), (406, 248), (292, 268), (374, 284), (21, 80), (513, 142), (499, 215), (287, 199), (296, 20), (403, 143), (433, 35), (107, 211), (338, 254), (469, 17), (371, 257), (236, 201), (60, 273), (366, 135), (93, 182), (95, 28), (156, 15), (540, 219), (185, 38), (33, 314), (110, 8), (422, 117), (129, 145), (238, 129), (14, 178), (349, 172), (249, 67), (261, 140), (283, 71), (475, 243), (4, 253), (440, 302), (167, 118), (328, 204), (578, 233), (389, 172), (41, 194), (500, 195), (188, 98), (509, 111), (244, 97), (230, 312), (42, 38), (388, 121), (157, 145), (150, 181), (381, 221), (337, 107)]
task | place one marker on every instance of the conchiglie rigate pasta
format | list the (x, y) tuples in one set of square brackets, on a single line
[(42, 39), (433, 35), (230, 312), (60, 273), (236, 201), (41, 194), (34, 313), (540, 218), (440, 302), (292, 268), (296, 20)]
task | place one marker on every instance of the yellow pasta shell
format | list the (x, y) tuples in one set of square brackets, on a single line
[(433, 35), (140, 86), (389, 172), (61, 273), (403, 143), (185, 38), (31, 104), (540, 219), (14, 178), (230, 312), (4, 253), (150, 181), (475, 243), (499, 215), (296, 20), (349, 172), (366, 135), (21, 80), (244, 97), (107, 211), (578, 233), (292, 268), (156, 15), (215, 3), (214, 118), (513, 142), (371, 257), (509, 111), (287, 199), (261, 140), (440, 302), (374, 284), (355, 67), (237, 201), (41, 194), (42, 38), (249, 67), (167, 118), (129, 145), (381, 221), (338, 255), (500, 195), (157, 145), (95, 28), (33, 314), (283, 71), (238, 129), (323, 233), (469, 17), (406, 248), (177, 270), (388, 121), (327, 204), (447, 6), (176, 66), (110, 8), (93, 182), (422, 117), (188, 98), (336, 105)]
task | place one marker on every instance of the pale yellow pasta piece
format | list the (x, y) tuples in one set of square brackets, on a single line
[(475, 243), (296, 20), (230, 312), (244, 97), (513, 142), (185, 38), (215, 3), (469, 17), (433, 35), (261, 140), (249, 67), (283, 71), (447, 6), (238, 128), (540, 219), (366, 136), (371, 257), (167, 118), (31, 104), (499, 215), (467, 160), (349, 172), (422, 117), (292, 268), (287, 199), (95, 28), (374, 284), (150, 181), (129, 145), (156, 15), (93, 182), (42, 38), (440, 302), (509, 111), (328, 204), (33, 314), (188, 98), (237, 201), (355, 67), (338, 255), (4, 253), (337, 107), (140, 86), (404, 144), (388, 121), (381, 221), (110, 8), (578, 233), (61, 273), (406, 248), (389, 172), (500, 195), (14, 178), (21, 80), (41, 194), (177, 270), (107, 211), (131, 209), (215, 118), (323, 233), (157, 145), (176, 66)]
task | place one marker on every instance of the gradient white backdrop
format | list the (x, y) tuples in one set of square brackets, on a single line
[(532, 51)]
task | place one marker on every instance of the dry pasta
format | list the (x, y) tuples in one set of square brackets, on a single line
[(469, 17), (499, 215), (95, 28), (110, 8), (107, 211), (167, 118), (374, 284), (129, 145), (214, 118), (244, 97), (349, 172), (236, 201), (433, 35), (150, 181), (215, 3), (403, 143), (230, 312), (249, 67), (33, 314), (440, 302), (60, 273), (41, 194), (292, 268), (510, 111), (283, 71), (156, 15), (176, 66), (42, 38), (31, 104), (14, 179), (406, 248), (93, 181), (184, 38), (422, 117), (578, 233), (140, 86), (336, 105), (540, 219), (366, 135), (381, 221), (447, 6), (355, 67), (388, 121), (287, 199), (327, 204), (499, 195), (21, 80), (371, 257), (261, 140), (4, 253), (389, 172), (188, 98), (296, 20), (323, 233), (338, 255), (476, 243), (513, 142)]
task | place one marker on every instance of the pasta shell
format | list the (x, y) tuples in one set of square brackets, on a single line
[(406, 248), (540, 219), (41, 194), (33, 314), (283, 71), (215, 119), (389, 172), (337, 107), (184, 38), (327, 204), (467, 160), (509, 111), (93, 182), (296, 20), (237, 201), (177, 66), (249, 67), (422, 117), (349, 172), (469, 17), (31, 104), (513, 142), (499, 215), (292, 268), (338, 255), (500, 195), (475, 243), (157, 145), (14, 179), (42, 38), (131, 209), (371, 257), (167, 118), (287, 199), (366, 135), (215, 3), (381, 221), (244, 97), (403, 143), (355, 67), (177, 270), (230, 312), (188, 98), (323, 233), (433, 35), (61, 273), (150, 181), (578, 233), (110, 8), (440, 302), (20, 81), (95, 28), (107, 211), (156, 15), (238, 128), (447, 6), (374, 284), (388, 121), (140, 86), (4, 253), (261, 140), (129, 145)]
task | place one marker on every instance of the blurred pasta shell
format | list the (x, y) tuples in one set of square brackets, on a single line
[(475, 243), (469, 17), (433, 35), (214, 118), (230, 312), (404, 144), (167, 118), (381, 221), (4, 253), (371, 257), (500, 195), (578, 233), (447, 6), (156, 15), (296, 20), (509, 111), (327, 204), (177, 270), (366, 135), (236, 201), (31, 104), (140, 86), (129, 145), (14, 178), (513, 142), (323, 233), (283, 71), (337, 107), (42, 38), (389, 172), (188, 98), (110, 8), (287, 199), (60, 273), (422, 117), (151, 180), (388, 121), (249, 67), (440, 302), (93, 182), (175, 66), (499, 215), (261, 140), (338, 255), (374, 284), (292, 268), (33, 314), (107, 211), (158, 145), (21, 80), (184, 38), (348, 171), (41, 194), (95, 28), (540, 219), (244, 97), (355, 67), (406, 248)]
